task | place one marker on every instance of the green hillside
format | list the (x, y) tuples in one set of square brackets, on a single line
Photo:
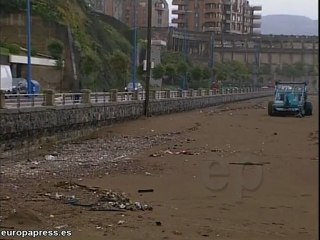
[(99, 42)]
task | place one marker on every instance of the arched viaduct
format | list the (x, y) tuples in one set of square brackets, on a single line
[(275, 50)]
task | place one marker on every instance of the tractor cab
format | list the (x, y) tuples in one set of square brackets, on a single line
[(290, 98)]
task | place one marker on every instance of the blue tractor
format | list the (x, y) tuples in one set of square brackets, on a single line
[(290, 98)]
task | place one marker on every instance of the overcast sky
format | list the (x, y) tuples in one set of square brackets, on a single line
[(308, 8)]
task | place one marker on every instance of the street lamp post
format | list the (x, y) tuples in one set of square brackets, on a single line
[(184, 85), (29, 47), (146, 106), (134, 63), (211, 63), (185, 47)]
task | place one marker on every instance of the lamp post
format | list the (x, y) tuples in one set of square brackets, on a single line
[(134, 60), (185, 47), (211, 63), (146, 105), (29, 47)]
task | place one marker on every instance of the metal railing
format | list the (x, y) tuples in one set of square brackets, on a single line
[(17, 101)]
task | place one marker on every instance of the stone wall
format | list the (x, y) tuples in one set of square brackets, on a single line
[(34, 126)]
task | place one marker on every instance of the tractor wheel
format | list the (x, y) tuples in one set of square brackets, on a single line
[(308, 108), (270, 108)]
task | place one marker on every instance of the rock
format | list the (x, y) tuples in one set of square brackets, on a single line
[(121, 222), (177, 233), (62, 226), (50, 157)]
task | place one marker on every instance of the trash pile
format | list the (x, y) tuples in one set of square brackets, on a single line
[(95, 199), (162, 153)]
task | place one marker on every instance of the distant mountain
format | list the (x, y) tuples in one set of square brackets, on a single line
[(289, 25)]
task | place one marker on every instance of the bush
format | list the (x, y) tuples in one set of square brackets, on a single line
[(56, 48), (13, 48)]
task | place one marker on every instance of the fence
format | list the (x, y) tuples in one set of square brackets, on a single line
[(50, 98)]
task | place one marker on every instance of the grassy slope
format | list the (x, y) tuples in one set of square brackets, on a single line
[(94, 37)]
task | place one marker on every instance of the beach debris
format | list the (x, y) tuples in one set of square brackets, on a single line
[(96, 199)]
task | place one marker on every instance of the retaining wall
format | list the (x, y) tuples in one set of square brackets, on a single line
[(34, 126)]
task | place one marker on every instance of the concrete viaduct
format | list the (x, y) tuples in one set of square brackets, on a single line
[(275, 50)]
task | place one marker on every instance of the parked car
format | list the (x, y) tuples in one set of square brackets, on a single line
[(20, 85), (129, 88)]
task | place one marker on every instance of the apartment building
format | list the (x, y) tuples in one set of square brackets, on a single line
[(134, 12), (228, 16)]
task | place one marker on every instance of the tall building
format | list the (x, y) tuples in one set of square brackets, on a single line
[(126, 10), (228, 16)]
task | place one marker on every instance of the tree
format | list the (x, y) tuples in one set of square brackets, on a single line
[(288, 71), (120, 64), (265, 69), (170, 71), (182, 68), (158, 71), (56, 50), (196, 73), (206, 74), (222, 71), (171, 58)]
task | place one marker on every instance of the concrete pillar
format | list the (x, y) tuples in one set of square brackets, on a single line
[(190, 93), (2, 99), (246, 51), (114, 95), (167, 93), (153, 94), (135, 95), (49, 99), (180, 92), (302, 52), (86, 96)]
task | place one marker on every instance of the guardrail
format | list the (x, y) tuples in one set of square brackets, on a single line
[(50, 98)]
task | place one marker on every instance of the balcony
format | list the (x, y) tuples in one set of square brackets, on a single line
[(210, 21), (160, 8), (212, 10), (178, 20), (178, 12), (211, 2), (256, 31), (256, 25), (211, 29), (256, 17), (256, 8), (179, 2)]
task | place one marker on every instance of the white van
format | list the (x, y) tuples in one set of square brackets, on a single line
[(5, 78)]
